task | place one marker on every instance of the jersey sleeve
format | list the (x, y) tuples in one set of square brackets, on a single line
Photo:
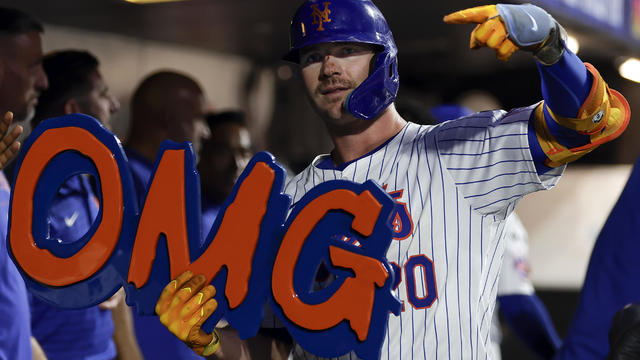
[(487, 154)]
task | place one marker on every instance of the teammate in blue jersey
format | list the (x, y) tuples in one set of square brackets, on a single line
[(166, 105), (77, 86), (21, 83), (454, 183), (609, 284)]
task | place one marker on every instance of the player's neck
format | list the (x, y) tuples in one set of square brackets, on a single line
[(352, 145)]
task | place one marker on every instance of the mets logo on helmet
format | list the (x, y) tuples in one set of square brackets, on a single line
[(320, 17)]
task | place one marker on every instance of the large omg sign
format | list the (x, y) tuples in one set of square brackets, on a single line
[(258, 250)]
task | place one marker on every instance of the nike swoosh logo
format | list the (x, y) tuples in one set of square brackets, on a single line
[(533, 21), (69, 221)]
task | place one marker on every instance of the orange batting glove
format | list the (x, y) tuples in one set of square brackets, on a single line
[(184, 306), (491, 31)]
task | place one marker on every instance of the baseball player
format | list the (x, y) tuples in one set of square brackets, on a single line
[(76, 85), (454, 183), (609, 284)]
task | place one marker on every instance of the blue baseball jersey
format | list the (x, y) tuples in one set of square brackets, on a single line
[(209, 213), (611, 280), (79, 333), (15, 329), (155, 340)]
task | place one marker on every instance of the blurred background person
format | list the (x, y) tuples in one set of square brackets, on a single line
[(166, 105), (103, 331), (223, 157), (610, 282), (517, 302)]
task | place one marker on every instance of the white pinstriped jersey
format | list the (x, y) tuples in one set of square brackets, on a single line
[(458, 180)]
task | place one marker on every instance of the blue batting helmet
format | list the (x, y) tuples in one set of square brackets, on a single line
[(360, 21)]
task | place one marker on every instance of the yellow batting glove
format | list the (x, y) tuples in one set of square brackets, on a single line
[(184, 306), (490, 32)]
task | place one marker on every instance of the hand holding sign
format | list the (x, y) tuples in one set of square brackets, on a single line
[(141, 250), (9, 145), (184, 306)]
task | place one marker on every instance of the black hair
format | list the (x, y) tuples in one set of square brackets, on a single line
[(230, 116), (15, 22), (624, 334), (69, 73)]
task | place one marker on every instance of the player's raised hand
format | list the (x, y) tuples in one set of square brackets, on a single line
[(9, 145), (490, 31), (475, 15), (507, 28), (184, 306)]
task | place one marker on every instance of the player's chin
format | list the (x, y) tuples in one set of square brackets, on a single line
[(328, 110), (334, 112)]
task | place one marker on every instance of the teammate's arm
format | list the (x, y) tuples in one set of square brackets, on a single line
[(579, 111), (184, 305), (527, 316), (123, 334), (36, 350)]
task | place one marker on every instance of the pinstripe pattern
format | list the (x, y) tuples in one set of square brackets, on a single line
[(460, 180)]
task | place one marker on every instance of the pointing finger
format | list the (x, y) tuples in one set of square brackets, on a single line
[(475, 15)]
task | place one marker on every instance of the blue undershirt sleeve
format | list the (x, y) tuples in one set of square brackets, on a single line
[(565, 87), (527, 316)]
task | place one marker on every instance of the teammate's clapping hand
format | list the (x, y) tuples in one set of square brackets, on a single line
[(507, 28), (184, 306), (9, 145)]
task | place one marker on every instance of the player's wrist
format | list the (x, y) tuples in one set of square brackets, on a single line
[(213, 345), (551, 51)]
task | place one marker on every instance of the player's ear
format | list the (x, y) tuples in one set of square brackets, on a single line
[(71, 106)]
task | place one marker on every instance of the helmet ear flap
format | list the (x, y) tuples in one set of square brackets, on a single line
[(377, 91)]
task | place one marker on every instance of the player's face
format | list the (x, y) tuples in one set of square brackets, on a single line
[(23, 78), (99, 102), (333, 70), (223, 158)]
